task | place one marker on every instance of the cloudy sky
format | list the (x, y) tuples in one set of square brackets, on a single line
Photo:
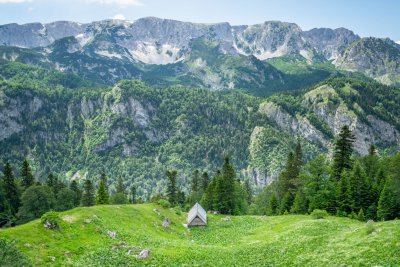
[(378, 18)]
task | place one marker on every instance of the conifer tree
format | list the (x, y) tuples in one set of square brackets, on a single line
[(78, 193), (342, 152), (359, 188), (172, 189), (273, 205), (120, 188), (300, 203), (286, 203), (205, 181), (386, 204), (26, 175), (102, 192), (133, 194), (88, 197), (249, 191), (195, 181), (344, 194), (12, 193)]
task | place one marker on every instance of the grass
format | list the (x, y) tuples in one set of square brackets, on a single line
[(291, 240)]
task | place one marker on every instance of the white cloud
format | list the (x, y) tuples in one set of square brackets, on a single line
[(13, 1), (115, 2), (119, 17)]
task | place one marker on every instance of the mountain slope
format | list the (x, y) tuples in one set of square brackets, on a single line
[(76, 129), (290, 240)]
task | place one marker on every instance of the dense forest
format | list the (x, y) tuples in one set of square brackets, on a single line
[(364, 188)]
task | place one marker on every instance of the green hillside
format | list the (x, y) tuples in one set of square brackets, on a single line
[(291, 240)]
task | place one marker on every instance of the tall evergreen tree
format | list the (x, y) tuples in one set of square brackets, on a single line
[(344, 194), (88, 197), (195, 186), (225, 188), (386, 204), (205, 181), (172, 189), (12, 192), (300, 205), (343, 151), (102, 192), (133, 194), (26, 175), (78, 193), (273, 205), (120, 188), (359, 188), (249, 191)]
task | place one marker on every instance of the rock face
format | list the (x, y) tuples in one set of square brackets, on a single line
[(377, 58), (330, 42)]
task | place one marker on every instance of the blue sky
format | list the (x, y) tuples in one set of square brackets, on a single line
[(378, 18)]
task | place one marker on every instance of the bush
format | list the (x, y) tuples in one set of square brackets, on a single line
[(319, 214), (164, 203), (10, 255), (369, 227), (178, 210), (36, 201), (51, 220)]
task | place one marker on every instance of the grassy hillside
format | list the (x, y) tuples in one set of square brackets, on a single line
[(245, 241)]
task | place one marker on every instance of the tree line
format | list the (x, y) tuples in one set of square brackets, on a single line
[(364, 188), (24, 199)]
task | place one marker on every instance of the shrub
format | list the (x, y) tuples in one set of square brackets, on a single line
[(319, 214), (178, 210), (10, 255), (369, 227), (164, 203), (51, 220)]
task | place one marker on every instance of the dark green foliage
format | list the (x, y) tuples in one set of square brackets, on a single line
[(65, 199), (343, 151), (249, 191), (12, 193), (10, 255), (386, 204), (344, 200), (26, 175), (102, 196), (88, 196), (172, 189), (205, 181), (35, 201), (273, 205), (54, 183), (286, 203), (120, 188), (119, 198), (133, 194), (78, 192), (300, 204)]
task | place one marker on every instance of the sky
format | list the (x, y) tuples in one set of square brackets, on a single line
[(379, 18)]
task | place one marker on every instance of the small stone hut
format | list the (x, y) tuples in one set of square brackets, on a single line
[(197, 216)]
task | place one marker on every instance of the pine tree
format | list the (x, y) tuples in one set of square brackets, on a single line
[(78, 193), (133, 194), (342, 152), (11, 190), (361, 216), (102, 192), (386, 204), (226, 188), (249, 191), (359, 188), (195, 186), (344, 194), (26, 175), (120, 188), (205, 181), (273, 205), (88, 197), (286, 203), (300, 203), (172, 189)]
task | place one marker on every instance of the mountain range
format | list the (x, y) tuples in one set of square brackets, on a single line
[(68, 102), (262, 58)]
